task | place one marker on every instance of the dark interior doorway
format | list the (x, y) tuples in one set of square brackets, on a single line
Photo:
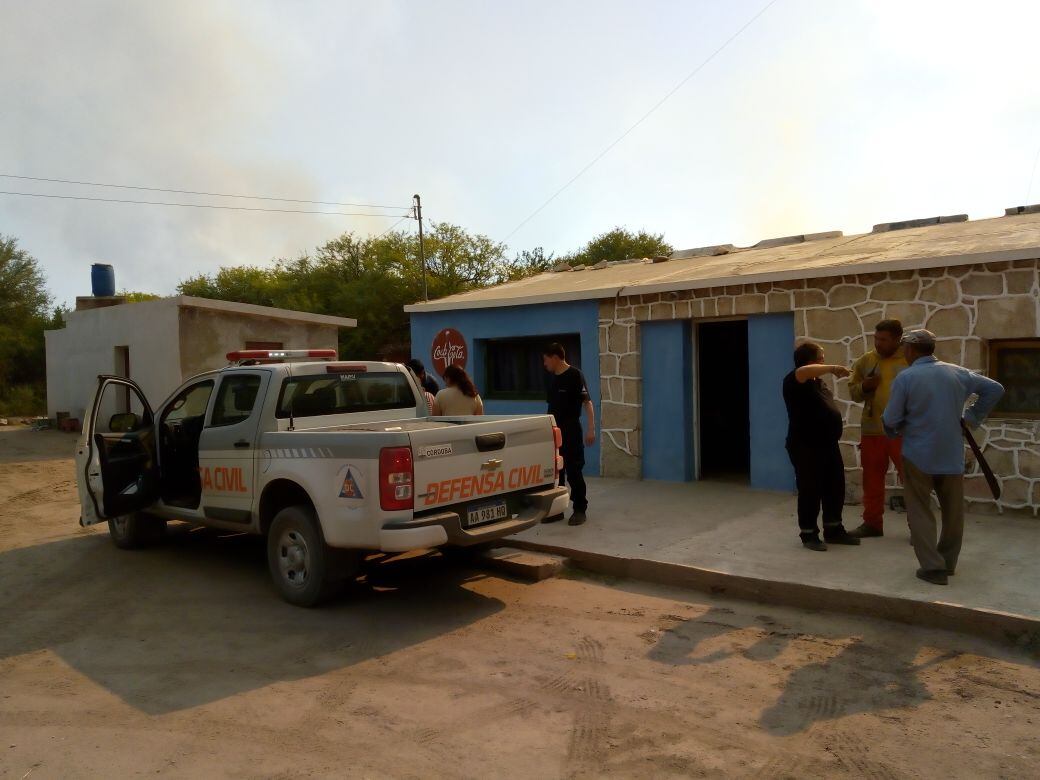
[(722, 379)]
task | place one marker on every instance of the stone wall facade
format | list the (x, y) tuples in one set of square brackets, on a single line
[(965, 306)]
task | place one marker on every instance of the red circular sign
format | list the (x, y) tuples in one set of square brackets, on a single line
[(449, 348)]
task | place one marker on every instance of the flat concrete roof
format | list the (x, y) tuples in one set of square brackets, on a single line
[(798, 257), (251, 310), (227, 307)]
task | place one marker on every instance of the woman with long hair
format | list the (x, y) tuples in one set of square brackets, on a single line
[(460, 398)]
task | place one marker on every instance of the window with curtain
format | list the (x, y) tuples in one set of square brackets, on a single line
[(513, 366)]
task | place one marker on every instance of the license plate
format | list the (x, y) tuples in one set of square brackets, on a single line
[(486, 513)]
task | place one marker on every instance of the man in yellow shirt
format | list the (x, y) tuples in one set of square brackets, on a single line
[(870, 384)]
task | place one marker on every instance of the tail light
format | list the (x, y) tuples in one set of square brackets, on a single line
[(557, 443), (395, 479)]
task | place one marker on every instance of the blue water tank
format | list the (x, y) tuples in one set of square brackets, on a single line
[(102, 280)]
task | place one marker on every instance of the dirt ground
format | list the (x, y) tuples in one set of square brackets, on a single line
[(181, 661)]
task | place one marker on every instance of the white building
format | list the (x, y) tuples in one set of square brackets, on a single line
[(160, 343)]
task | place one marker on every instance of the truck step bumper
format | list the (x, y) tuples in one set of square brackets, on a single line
[(446, 527)]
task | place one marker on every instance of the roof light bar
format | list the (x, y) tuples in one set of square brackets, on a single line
[(242, 356)]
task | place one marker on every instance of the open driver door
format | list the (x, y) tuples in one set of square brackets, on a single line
[(117, 472)]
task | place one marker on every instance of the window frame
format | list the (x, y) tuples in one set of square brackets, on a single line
[(280, 415), (225, 380), (166, 410), (491, 394), (996, 347)]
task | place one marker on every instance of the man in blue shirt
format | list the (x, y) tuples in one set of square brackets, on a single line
[(926, 406)]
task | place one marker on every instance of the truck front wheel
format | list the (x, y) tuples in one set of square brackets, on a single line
[(298, 558), (136, 530)]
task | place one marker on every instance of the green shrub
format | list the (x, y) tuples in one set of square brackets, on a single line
[(24, 401)]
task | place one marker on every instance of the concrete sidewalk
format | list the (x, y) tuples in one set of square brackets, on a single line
[(726, 537)]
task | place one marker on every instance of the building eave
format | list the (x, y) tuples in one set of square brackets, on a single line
[(269, 312)]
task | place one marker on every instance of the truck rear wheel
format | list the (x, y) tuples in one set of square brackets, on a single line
[(135, 530), (298, 558)]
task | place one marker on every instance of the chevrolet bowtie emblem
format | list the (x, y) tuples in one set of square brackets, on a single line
[(491, 465)]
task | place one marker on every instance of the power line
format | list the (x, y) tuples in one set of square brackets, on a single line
[(194, 205), (194, 192), (402, 219), (644, 117)]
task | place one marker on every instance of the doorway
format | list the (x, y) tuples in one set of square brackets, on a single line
[(724, 450)]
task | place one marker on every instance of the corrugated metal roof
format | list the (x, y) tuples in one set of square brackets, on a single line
[(796, 257)]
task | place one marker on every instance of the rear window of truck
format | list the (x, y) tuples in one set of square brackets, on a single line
[(321, 394)]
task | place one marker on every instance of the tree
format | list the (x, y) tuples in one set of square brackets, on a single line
[(529, 262), (370, 279), (620, 244), (244, 284), (23, 288), (137, 297), (373, 279), (24, 315)]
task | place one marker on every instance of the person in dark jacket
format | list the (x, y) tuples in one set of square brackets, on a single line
[(814, 428), (428, 383), (568, 396)]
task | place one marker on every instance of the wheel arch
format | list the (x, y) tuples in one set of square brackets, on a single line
[(277, 495)]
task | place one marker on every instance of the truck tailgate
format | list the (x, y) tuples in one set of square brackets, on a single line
[(482, 457)]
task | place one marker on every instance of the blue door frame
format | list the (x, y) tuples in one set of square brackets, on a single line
[(770, 344), (669, 426), (667, 349)]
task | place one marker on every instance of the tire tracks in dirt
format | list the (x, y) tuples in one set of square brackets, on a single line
[(56, 491), (593, 710)]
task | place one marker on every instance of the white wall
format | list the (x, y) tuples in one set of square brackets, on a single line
[(155, 332), (207, 336), (85, 348)]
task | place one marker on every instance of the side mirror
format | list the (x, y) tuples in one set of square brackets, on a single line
[(124, 422)]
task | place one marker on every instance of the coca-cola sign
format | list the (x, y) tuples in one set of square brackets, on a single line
[(449, 348)]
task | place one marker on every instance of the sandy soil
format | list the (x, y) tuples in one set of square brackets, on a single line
[(180, 661)]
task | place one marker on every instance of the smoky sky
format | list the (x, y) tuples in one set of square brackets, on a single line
[(820, 116)]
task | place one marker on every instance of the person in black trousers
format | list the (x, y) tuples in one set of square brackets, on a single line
[(567, 395), (814, 428)]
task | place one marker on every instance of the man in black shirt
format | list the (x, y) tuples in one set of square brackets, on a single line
[(567, 396), (428, 383), (814, 428)]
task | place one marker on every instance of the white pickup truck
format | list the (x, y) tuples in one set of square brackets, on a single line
[(326, 458)]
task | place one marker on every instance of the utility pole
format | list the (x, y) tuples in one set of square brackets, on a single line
[(422, 248)]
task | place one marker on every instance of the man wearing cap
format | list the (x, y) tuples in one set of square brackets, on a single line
[(926, 407), (871, 385)]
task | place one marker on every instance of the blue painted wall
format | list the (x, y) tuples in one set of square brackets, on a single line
[(770, 344), (581, 317), (667, 349)]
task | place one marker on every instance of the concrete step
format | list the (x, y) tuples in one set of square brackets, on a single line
[(531, 566)]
